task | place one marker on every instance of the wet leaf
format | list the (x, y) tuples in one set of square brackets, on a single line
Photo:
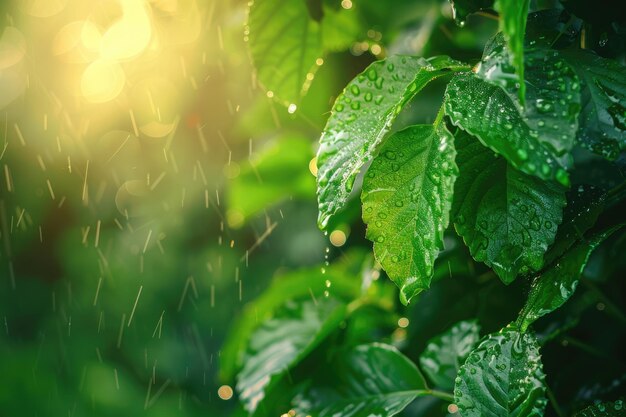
[(604, 409), (507, 218), (282, 342), (361, 117), (278, 172), (502, 377), (556, 285), (552, 93), (584, 206), (407, 194), (368, 380), (531, 138), (285, 44), (445, 353), (513, 15), (603, 116)]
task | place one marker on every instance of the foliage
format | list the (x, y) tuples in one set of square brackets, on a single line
[(505, 162)]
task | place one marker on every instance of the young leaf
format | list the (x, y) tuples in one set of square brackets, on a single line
[(282, 342), (369, 380), (285, 44), (407, 194), (513, 14), (603, 117), (507, 218), (279, 172), (556, 285), (502, 377), (361, 117), (445, 353), (607, 409)]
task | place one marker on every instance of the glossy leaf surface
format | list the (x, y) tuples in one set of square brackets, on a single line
[(407, 194)]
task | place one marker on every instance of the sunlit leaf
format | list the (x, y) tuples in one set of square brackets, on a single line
[(507, 218), (445, 353), (278, 172), (285, 44), (407, 194), (502, 377), (340, 28), (361, 117)]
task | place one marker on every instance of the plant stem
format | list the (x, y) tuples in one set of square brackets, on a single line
[(446, 396), (555, 405)]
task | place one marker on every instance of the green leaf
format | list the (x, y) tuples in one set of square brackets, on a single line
[(507, 218), (552, 28), (513, 15), (282, 342), (463, 8), (445, 353), (552, 93), (278, 172), (556, 285), (298, 285), (361, 117), (603, 117), (502, 377), (407, 194), (585, 203), (340, 28), (485, 111), (285, 44), (606, 409), (369, 380)]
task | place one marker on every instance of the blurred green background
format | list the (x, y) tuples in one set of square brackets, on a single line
[(150, 188)]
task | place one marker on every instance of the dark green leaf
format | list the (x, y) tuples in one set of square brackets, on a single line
[(278, 172), (556, 285), (552, 28), (507, 218), (285, 44), (445, 353), (605, 409), (369, 380), (282, 342), (584, 205), (361, 117), (407, 194), (603, 117), (552, 93), (502, 377), (513, 14)]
